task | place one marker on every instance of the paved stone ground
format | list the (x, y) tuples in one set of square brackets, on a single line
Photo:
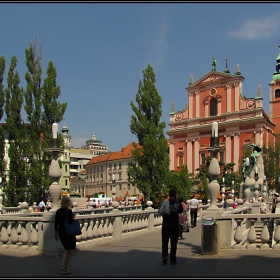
[(139, 256)]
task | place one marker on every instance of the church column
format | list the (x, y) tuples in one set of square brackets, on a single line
[(228, 101), (236, 145), (271, 99), (236, 96), (219, 105), (259, 137), (206, 108), (227, 149), (196, 154), (171, 155), (189, 155), (197, 104), (190, 94)]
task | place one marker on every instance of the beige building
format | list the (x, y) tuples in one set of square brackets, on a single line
[(100, 171)]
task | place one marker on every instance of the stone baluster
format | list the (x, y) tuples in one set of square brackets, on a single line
[(277, 235), (14, 237), (4, 236), (265, 236), (251, 238), (90, 230), (34, 236), (238, 236), (110, 227), (95, 229), (106, 224)]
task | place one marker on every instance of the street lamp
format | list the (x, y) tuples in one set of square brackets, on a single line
[(232, 190), (223, 190), (113, 188)]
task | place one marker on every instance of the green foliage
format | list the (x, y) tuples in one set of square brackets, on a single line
[(181, 180), (151, 158), (271, 155), (226, 173), (15, 187), (29, 162)]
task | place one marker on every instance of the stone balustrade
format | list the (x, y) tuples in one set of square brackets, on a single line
[(36, 230)]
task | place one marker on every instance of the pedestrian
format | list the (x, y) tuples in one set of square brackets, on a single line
[(48, 205), (263, 206), (273, 204), (171, 228), (183, 216), (194, 208), (68, 242), (42, 205)]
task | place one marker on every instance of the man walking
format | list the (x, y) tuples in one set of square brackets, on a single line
[(171, 228), (194, 208)]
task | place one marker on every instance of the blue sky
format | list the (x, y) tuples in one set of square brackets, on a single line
[(100, 50)]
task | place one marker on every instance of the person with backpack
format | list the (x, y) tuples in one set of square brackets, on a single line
[(171, 228)]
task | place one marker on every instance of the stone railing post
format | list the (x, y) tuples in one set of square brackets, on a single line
[(117, 225), (151, 221)]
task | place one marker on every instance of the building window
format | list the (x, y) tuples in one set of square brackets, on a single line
[(181, 160), (65, 168), (120, 166), (101, 177), (120, 187), (110, 177), (110, 166), (111, 187), (277, 92), (128, 186), (120, 176), (66, 182), (65, 155), (115, 166), (101, 168), (213, 107), (202, 158)]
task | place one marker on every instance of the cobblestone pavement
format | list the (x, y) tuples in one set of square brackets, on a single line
[(139, 256)]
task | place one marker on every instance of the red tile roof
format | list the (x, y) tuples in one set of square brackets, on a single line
[(123, 154)]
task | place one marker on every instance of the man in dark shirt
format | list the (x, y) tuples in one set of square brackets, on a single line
[(171, 228)]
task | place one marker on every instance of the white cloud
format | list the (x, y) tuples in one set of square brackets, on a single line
[(261, 28)]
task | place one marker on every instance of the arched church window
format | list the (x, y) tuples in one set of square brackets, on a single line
[(213, 107), (277, 92)]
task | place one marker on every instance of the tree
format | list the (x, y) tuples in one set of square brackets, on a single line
[(15, 187), (42, 110), (2, 100), (181, 179), (151, 159)]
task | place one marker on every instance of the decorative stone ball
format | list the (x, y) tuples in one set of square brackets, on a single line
[(278, 200), (75, 204), (229, 202), (91, 204), (24, 205), (115, 204), (239, 201), (149, 203)]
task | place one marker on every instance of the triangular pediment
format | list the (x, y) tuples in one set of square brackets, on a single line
[(213, 77)]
